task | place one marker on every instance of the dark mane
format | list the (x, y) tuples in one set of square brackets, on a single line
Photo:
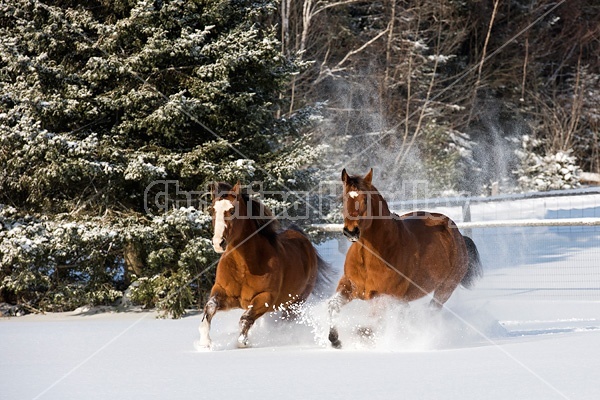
[(263, 217)]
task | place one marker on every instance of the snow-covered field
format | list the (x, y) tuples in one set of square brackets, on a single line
[(529, 330)]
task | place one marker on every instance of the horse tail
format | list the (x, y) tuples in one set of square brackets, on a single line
[(325, 272), (475, 269)]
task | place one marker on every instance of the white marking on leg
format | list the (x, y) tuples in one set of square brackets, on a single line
[(221, 206), (209, 311), (353, 194), (242, 341), (335, 303), (204, 329)]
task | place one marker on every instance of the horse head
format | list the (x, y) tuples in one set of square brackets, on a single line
[(225, 203), (357, 203)]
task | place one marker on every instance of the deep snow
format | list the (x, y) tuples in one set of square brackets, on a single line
[(530, 329)]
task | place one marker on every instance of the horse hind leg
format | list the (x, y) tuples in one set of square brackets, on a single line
[(377, 307), (293, 311), (260, 304), (442, 293)]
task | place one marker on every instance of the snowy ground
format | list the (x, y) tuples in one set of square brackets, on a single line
[(529, 330)]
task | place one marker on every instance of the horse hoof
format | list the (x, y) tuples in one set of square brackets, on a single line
[(242, 342), (335, 341), (202, 345), (366, 335), (365, 332)]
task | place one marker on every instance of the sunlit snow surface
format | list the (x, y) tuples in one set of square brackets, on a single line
[(530, 329)]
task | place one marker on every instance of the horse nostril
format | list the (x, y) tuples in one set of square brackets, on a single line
[(223, 244), (353, 234)]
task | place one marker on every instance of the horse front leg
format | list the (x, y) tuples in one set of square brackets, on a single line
[(210, 308), (334, 305), (259, 305), (216, 302)]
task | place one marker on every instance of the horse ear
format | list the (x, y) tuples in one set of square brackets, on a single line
[(369, 176), (344, 175), (237, 188), (212, 190)]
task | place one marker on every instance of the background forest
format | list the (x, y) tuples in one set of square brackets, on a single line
[(107, 104)]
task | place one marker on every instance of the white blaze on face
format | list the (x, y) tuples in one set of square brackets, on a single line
[(220, 207), (353, 194)]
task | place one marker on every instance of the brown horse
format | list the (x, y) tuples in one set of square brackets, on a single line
[(404, 256), (261, 269)]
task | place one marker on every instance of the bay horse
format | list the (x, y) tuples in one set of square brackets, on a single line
[(406, 257), (261, 268)]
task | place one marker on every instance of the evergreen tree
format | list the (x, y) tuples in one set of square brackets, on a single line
[(101, 100)]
